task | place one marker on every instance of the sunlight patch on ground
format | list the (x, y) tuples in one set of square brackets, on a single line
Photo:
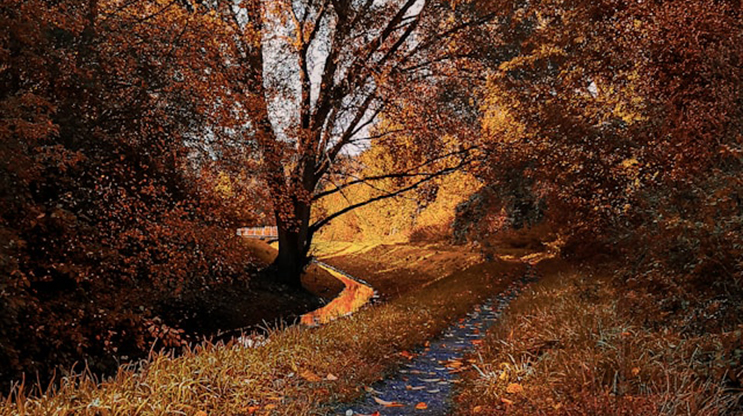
[(327, 249), (531, 259)]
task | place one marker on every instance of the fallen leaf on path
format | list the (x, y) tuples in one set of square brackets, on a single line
[(506, 401), (514, 388), (414, 388), (252, 409), (406, 354), (385, 403), (309, 376), (331, 377), (477, 409), (421, 406)]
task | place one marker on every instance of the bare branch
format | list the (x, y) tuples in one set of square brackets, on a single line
[(320, 223), (345, 137), (409, 173)]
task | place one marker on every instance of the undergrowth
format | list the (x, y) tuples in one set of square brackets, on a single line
[(296, 371), (572, 346)]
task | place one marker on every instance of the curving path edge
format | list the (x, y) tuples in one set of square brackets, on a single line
[(424, 385), (353, 297)]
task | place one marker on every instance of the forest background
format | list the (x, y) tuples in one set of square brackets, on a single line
[(128, 157)]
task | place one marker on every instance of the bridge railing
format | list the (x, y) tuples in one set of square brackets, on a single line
[(258, 232)]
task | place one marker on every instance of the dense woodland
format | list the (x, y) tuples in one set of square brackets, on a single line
[(135, 136)]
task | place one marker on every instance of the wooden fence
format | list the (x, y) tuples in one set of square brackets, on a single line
[(259, 232)]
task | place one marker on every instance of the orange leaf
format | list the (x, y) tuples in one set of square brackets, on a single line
[(506, 401), (201, 413), (331, 377), (477, 409), (421, 406), (514, 388), (406, 354), (270, 406), (309, 376), (385, 403)]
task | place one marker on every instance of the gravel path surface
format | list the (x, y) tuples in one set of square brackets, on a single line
[(424, 385)]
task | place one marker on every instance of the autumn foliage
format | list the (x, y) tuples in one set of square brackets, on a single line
[(623, 123), (103, 212), (136, 136)]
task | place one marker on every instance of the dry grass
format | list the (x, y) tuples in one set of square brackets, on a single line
[(289, 375), (399, 268), (574, 348)]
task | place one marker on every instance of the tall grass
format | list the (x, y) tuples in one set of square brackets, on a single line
[(296, 371), (573, 347)]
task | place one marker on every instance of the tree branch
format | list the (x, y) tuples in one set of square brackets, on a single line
[(321, 223), (410, 173)]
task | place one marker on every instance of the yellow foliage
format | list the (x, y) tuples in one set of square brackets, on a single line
[(224, 185)]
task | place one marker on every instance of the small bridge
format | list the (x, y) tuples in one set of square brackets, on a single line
[(262, 233)]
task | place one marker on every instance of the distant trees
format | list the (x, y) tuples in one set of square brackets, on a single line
[(423, 213)]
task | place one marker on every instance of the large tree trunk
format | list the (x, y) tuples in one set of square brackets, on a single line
[(294, 242)]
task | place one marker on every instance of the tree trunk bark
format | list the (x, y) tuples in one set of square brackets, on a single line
[(293, 223), (294, 242)]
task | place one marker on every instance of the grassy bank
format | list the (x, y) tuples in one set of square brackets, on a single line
[(572, 345), (296, 372)]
